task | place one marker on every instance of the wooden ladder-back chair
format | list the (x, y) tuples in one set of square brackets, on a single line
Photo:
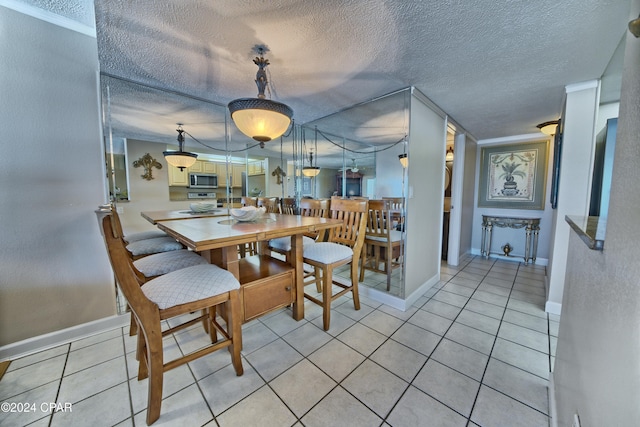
[(249, 201), (343, 246), (145, 243), (383, 243), (396, 206), (271, 204), (289, 206), (201, 287), (318, 208)]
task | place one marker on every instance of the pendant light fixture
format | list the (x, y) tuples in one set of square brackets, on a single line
[(260, 118), (548, 128), (180, 159), (404, 160), (449, 156), (311, 170)]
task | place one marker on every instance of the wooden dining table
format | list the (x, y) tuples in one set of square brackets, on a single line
[(266, 283)]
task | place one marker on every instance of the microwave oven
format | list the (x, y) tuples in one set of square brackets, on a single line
[(203, 180)]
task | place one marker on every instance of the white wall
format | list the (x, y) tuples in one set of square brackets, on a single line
[(389, 173), (424, 206), (574, 190), (597, 367), (468, 196), (54, 271)]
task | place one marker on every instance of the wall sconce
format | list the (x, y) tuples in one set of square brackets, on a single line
[(180, 159), (260, 118), (449, 156), (548, 128), (404, 160), (634, 27)]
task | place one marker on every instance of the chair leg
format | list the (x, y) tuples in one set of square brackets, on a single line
[(327, 288), (133, 326), (354, 285), (213, 332), (388, 266), (234, 329), (363, 261), (319, 279), (156, 372)]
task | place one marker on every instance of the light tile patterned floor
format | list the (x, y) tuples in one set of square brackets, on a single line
[(475, 350)]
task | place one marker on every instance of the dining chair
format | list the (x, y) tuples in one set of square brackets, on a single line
[(204, 287), (343, 246), (138, 245), (382, 242), (318, 208), (249, 201), (396, 205), (289, 206), (271, 204)]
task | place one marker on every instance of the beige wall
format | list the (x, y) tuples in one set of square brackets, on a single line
[(54, 271), (597, 367)]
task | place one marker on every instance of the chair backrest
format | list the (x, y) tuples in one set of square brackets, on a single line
[(378, 219), (353, 214), (249, 201), (124, 270), (289, 206), (315, 207), (271, 204), (395, 202)]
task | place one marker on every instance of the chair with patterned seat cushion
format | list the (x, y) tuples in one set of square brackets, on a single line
[(144, 235), (382, 242), (343, 247), (204, 287)]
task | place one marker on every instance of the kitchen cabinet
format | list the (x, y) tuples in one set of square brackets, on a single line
[(236, 175), (221, 171), (256, 168), (203, 166), (177, 177)]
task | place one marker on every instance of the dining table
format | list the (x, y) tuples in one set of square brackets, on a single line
[(164, 215), (266, 283)]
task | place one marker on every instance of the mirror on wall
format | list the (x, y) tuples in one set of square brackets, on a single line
[(356, 151)]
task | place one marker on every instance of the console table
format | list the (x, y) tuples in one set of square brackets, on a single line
[(530, 225)]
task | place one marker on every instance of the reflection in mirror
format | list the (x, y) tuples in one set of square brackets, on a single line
[(357, 151)]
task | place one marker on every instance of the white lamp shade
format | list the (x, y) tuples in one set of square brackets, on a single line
[(260, 119), (404, 160), (311, 171), (180, 159)]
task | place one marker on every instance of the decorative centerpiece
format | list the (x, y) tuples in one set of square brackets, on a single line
[(247, 213), (201, 207)]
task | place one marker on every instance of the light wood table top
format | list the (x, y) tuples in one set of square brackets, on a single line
[(156, 216)]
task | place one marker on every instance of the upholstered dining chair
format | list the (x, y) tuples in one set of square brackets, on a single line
[(383, 243), (289, 206), (145, 243), (249, 201), (271, 204), (201, 287), (342, 247)]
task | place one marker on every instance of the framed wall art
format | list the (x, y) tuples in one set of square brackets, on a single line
[(513, 176)]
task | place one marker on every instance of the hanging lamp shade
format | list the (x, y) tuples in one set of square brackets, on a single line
[(311, 171), (404, 160), (449, 156), (548, 128), (180, 159), (260, 118)]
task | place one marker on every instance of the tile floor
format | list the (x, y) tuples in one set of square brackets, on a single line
[(475, 350)]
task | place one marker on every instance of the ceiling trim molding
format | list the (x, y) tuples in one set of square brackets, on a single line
[(575, 87), (513, 139), (49, 17)]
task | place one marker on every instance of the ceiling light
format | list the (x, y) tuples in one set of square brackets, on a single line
[(404, 160), (634, 27), (311, 170), (449, 156), (180, 159), (260, 118), (548, 128)]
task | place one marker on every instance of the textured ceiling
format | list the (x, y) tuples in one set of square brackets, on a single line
[(496, 67)]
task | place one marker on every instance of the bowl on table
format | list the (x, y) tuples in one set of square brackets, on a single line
[(202, 207), (247, 213)]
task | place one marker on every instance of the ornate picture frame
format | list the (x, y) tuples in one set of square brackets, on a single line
[(513, 176)]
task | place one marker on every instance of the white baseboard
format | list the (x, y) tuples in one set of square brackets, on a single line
[(553, 419), (553, 308), (397, 302), (63, 336)]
